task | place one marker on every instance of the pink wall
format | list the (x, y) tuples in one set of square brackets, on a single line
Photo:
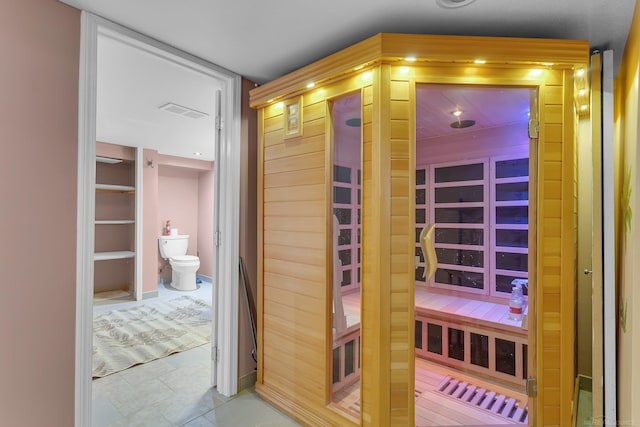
[(178, 203), (150, 222), (185, 197), (39, 41), (205, 222), (248, 226)]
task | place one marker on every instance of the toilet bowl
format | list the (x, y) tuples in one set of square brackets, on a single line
[(184, 267), (183, 272)]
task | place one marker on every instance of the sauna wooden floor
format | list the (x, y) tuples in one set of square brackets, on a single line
[(432, 408)]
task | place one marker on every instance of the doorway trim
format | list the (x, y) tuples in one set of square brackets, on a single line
[(227, 173)]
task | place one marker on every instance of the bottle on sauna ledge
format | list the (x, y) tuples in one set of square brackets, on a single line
[(516, 303)]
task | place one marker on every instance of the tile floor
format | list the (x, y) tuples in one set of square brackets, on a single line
[(175, 390)]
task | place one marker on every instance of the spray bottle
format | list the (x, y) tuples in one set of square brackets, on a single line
[(516, 303)]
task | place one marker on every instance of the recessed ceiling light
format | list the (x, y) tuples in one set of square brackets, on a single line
[(452, 4), (457, 112), (197, 153)]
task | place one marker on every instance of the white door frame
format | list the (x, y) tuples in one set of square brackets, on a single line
[(227, 174)]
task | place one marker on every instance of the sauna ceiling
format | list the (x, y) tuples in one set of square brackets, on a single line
[(487, 107), (264, 40)]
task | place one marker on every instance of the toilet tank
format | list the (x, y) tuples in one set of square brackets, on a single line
[(171, 246)]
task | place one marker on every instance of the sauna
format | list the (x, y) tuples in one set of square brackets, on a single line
[(416, 227)]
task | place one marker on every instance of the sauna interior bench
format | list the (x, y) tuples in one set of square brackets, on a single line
[(448, 307), (468, 311)]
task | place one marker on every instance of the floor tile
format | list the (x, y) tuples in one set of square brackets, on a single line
[(199, 422), (248, 410), (175, 390), (103, 413)]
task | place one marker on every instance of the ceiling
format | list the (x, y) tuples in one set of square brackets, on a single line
[(265, 40), (129, 97)]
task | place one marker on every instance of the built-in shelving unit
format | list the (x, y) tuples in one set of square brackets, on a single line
[(116, 224)]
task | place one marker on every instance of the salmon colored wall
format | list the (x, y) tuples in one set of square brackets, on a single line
[(205, 222), (150, 221), (185, 197), (39, 41), (178, 202), (248, 226), (627, 116)]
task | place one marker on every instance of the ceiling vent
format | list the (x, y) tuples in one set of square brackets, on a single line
[(182, 111), (452, 4)]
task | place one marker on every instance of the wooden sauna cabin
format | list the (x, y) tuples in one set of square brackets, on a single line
[(356, 326)]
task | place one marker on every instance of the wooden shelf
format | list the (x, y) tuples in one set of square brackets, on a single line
[(114, 221), (115, 188), (104, 256)]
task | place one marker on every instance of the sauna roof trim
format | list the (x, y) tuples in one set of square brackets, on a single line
[(386, 48)]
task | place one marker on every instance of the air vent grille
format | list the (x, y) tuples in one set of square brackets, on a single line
[(182, 111)]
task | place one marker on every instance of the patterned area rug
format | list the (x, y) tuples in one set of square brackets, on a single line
[(127, 337)]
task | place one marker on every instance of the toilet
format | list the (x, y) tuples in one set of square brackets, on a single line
[(183, 266)]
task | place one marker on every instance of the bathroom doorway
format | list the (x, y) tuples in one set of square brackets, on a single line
[(223, 97), (474, 245)]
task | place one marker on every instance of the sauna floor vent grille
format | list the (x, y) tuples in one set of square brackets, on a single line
[(482, 398)]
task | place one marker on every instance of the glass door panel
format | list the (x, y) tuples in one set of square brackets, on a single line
[(346, 112), (472, 184)]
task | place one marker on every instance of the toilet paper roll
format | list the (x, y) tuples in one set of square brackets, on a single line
[(174, 231)]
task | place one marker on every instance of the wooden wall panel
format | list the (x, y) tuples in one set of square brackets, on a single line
[(402, 165), (556, 252), (294, 243)]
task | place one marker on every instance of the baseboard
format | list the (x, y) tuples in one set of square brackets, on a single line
[(149, 295), (203, 277), (247, 381)]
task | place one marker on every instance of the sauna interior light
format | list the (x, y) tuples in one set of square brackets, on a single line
[(580, 72), (479, 61), (410, 59), (310, 85)]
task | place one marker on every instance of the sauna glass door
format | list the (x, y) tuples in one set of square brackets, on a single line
[(473, 197), (346, 201)]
